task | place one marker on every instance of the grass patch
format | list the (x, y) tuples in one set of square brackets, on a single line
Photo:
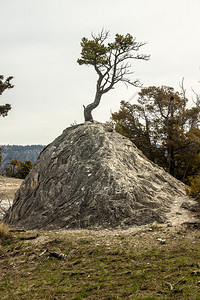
[(101, 265)]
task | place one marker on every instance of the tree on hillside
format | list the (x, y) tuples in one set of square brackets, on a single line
[(18, 169), (111, 62), (163, 127), (4, 85)]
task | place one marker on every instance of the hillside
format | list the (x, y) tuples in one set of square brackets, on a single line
[(22, 153)]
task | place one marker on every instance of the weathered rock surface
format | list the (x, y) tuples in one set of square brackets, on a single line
[(91, 177)]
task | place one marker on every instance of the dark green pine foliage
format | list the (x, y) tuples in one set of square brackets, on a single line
[(164, 129), (4, 85), (18, 169)]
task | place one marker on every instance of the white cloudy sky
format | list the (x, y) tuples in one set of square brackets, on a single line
[(40, 44)]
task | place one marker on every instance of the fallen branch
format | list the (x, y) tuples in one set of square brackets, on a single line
[(179, 281), (58, 255), (32, 237), (54, 254), (17, 230), (43, 252), (172, 286), (169, 285)]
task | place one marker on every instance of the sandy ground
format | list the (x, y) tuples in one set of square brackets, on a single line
[(8, 187), (177, 215)]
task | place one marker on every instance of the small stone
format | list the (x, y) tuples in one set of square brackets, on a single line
[(195, 273), (162, 241), (150, 229)]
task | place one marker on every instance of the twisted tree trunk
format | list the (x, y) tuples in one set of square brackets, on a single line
[(89, 108)]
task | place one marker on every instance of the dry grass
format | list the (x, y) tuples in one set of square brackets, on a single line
[(5, 233), (102, 265)]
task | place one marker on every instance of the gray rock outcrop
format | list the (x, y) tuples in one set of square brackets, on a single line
[(92, 177)]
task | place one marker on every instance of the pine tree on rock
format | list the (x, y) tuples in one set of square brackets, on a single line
[(111, 62)]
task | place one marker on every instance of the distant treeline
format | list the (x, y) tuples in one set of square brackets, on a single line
[(21, 153)]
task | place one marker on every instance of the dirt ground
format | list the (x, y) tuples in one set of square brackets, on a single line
[(8, 188)]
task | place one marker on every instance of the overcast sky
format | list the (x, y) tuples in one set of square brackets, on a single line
[(40, 44)]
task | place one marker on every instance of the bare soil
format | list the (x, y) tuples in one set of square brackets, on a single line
[(8, 188)]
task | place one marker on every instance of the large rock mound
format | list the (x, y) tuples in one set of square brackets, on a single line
[(92, 177)]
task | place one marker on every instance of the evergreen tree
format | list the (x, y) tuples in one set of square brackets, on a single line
[(4, 109), (18, 169), (162, 126), (4, 85)]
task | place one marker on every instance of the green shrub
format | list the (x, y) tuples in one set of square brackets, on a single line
[(193, 189)]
